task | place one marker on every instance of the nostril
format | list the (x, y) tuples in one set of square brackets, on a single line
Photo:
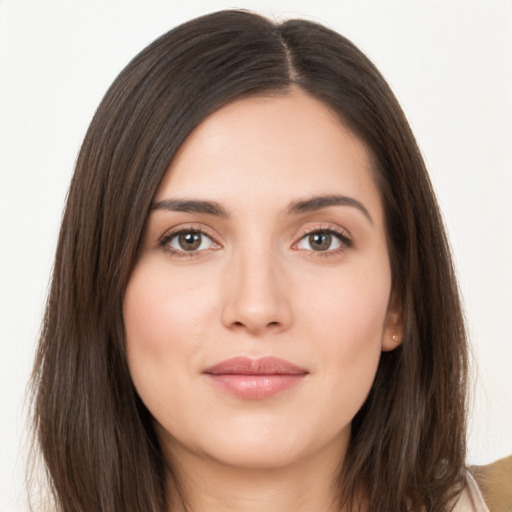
[(242, 324)]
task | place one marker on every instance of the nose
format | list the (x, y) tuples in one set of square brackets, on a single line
[(257, 296)]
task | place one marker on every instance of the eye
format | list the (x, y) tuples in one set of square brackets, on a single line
[(188, 241), (323, 241)]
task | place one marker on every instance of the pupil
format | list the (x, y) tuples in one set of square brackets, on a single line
[(320, 241), (190, 241)]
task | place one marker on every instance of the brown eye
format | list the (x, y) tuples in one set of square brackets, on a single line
[(323, 241), (188, 241), (320, 241)]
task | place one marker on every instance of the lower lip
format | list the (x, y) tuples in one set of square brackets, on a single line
[(256, 387)]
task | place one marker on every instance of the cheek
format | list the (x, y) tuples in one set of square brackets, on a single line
[(157, 306), (349, 305), (159, 339), (347, 321)]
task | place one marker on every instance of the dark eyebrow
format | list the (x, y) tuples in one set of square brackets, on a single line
[(191, 206), (319, 202)]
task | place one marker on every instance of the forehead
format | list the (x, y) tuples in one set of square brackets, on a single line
[(265, 149)]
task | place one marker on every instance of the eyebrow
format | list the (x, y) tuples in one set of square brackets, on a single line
[(295, 208), (191, 206), (320, 202)]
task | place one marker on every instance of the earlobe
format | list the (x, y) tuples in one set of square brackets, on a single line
[(394, 327), (392, 338), (390, 343)]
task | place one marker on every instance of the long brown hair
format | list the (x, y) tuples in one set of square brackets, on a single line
[(99, 448)]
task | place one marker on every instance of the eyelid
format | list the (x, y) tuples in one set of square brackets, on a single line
[(164, 240), (345, 237)]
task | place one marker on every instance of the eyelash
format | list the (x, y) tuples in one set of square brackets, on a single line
[(344, 238), (164, 242)]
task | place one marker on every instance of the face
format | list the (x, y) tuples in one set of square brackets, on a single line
[(261, 299)]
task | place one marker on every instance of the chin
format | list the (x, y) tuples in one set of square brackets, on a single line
[(256, 455), (259, 446)]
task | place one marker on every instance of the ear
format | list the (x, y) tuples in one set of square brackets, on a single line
[(394, 324)]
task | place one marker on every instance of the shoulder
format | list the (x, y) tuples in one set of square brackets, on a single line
[(470, 499), (495, 484)]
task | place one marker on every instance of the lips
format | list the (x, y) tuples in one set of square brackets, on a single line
[(255, 379)]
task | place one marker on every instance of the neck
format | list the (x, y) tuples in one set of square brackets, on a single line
[(207, 485)]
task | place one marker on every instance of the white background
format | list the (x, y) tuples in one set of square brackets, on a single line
[(450, 64)]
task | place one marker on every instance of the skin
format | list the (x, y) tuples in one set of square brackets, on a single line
[(257, 287)]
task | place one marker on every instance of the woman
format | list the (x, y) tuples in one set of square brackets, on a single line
[(253, 304)]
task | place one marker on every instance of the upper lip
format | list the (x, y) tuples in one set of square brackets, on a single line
[(261, 366)]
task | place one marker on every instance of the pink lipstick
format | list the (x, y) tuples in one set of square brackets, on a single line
[(255, 379)]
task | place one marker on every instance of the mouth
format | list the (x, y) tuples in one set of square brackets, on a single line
[(255, 379)]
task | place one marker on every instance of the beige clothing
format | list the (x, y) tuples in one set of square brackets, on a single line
[(471, 498)]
